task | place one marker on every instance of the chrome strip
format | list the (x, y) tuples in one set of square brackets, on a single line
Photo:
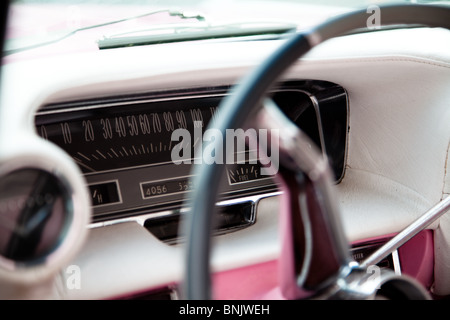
[(255, 198), (396, 262), (315, 103), (144, 207), (140, 219)]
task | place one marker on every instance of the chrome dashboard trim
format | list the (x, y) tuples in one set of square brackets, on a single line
[(140, 219)]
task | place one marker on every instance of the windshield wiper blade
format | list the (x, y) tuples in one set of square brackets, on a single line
[(171, 12), (191, 32)]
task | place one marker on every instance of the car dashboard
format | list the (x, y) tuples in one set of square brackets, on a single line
[(375, 103)]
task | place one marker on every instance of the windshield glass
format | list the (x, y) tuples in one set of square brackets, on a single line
[(35, 24)]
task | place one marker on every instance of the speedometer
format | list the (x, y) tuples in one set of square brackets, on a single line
[(110, 137)]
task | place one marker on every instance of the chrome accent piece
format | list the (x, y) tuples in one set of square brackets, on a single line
[(315, 103), (255, 198), (174, 203), (410, 231), (174, 295), (396, 261), (140, 219)]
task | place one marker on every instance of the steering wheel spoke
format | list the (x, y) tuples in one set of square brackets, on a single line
[(314, 248)]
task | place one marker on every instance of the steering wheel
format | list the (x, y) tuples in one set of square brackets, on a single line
[(312, 231)]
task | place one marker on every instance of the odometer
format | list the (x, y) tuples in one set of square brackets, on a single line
[(166, 187)]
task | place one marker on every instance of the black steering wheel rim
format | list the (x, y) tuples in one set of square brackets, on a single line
[(245, 99)]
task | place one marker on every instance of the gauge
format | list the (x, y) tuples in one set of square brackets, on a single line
[(244, 173), (110, 138)]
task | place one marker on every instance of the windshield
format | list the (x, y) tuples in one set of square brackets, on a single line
[(35, 24)]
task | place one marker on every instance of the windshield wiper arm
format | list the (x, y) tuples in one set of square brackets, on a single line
[(170, 34), (171, 12)]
